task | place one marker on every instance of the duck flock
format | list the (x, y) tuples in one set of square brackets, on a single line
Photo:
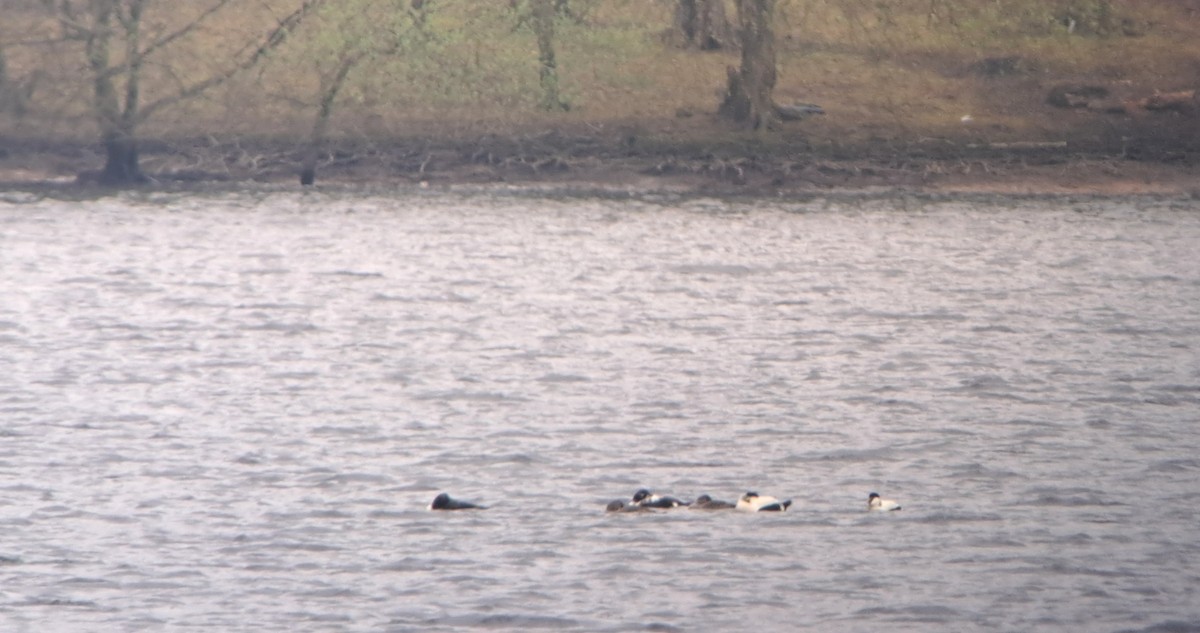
[(645, 501)]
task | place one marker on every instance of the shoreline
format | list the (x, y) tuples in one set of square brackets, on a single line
[(581, 165)]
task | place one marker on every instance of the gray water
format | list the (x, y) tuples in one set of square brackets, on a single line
[(229, 411)]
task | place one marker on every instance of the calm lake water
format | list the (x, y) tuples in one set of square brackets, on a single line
[(229, 411)]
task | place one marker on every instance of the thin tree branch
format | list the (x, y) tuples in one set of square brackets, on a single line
[(273, 40), (182, 32), (135, 58), (133, 41)]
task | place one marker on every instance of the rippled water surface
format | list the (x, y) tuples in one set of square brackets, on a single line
[(228, 412)]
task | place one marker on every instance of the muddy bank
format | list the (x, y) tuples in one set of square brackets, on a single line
[(743, 167)]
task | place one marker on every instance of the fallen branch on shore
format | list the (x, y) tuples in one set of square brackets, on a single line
[(1020, 145)]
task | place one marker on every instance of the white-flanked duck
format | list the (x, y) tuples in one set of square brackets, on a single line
[(754, 502), (877, 503), (647, 499), (444, 502), (705, 502)]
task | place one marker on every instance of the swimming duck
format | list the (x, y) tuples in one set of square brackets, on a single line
[(705, 502), (620, 506), (875, 502), (754, 502), (444, 502), (648, 499)]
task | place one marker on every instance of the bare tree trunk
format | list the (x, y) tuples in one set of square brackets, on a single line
[(749, 94), (15, 94), (543, 26), (702, 24), (9, 99), (329, 91), (121, 166), (102, 24)]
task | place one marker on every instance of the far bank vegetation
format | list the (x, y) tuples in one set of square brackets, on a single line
[(314, 73)]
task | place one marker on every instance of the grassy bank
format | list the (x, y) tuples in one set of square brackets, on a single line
[(903, 81)]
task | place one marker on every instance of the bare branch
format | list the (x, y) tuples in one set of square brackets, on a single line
[(73, 29), (273, 40), (135, 58), (184, 31)]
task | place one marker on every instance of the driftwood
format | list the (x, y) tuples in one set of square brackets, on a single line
[(797, 111), (1100, 99), (1021, 145), (1181, 101), (1076, 95)]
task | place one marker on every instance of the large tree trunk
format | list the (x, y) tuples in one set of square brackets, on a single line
[(121, 166), (117, 124), (543, 26), (749, 95), (702, 24), (10, 97)]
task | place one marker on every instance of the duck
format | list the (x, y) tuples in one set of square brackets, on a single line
[(444, 502), (705, 502), (648, 499), (621, 506), (754, 502), (877, 503)]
